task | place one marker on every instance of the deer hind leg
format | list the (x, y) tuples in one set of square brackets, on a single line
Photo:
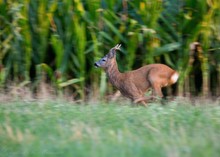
[(142, 101), (157, 92)]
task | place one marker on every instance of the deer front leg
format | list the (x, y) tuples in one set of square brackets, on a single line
[(157, 92), (132, 92)]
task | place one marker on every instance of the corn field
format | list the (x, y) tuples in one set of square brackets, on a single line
[(58, 41)]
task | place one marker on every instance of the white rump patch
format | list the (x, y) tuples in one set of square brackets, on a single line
[(174, 77)]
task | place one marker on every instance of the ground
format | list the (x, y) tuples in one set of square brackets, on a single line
[(61, 128)]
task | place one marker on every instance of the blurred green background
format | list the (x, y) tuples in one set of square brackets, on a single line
[(57, 42)]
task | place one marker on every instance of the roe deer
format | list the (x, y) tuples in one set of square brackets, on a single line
[(134, 84)]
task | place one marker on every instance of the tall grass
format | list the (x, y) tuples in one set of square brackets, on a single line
[(58, 128), (64, 38)]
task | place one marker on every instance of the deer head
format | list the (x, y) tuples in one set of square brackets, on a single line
[(107, 60)]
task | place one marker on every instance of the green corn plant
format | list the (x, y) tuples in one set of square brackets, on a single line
[(68, 36), (79, 45), (216, 55), (5, 40), (173, 29), (39, 17), (58, 48), (207, 25), (69, 43), (188, 28), (12, 47)]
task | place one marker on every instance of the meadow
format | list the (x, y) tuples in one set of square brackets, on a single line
[(102, 129)]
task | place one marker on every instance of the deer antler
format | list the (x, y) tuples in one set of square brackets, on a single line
[(117, 47), (113, 50)]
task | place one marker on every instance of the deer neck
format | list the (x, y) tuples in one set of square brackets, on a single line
[(114, 74)]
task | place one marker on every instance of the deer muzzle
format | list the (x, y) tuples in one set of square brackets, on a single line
[(96, 64)]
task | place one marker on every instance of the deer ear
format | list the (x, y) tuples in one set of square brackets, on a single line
[(112, 53)]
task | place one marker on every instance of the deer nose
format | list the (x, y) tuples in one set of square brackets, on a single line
[(96, 65)]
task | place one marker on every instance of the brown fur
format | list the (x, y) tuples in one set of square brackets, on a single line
[(134, 84)]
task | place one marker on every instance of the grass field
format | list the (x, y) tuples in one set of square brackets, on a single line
[(59, 128)]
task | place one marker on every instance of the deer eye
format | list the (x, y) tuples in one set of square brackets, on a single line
[(103, 59)]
